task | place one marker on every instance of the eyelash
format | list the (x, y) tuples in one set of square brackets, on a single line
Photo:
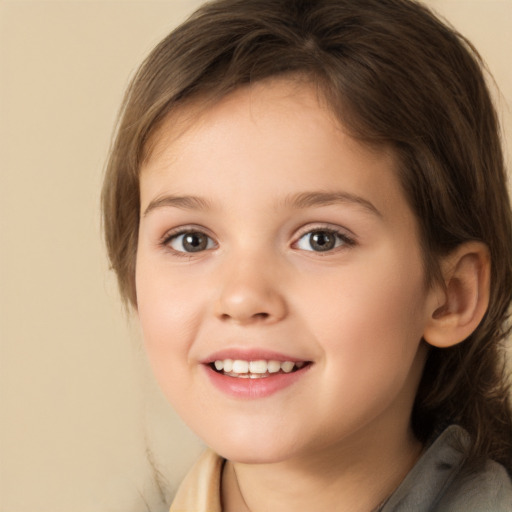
[(342, 239)]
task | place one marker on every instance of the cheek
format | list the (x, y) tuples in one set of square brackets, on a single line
[(371, 317), (169, 310), (369, 330)]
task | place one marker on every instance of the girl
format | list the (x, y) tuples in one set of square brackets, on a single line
[(306, 206)]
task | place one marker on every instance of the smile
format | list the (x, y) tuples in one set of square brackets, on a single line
[(257, 369), (254, 376)]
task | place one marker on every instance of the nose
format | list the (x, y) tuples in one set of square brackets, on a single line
[(250, 293)]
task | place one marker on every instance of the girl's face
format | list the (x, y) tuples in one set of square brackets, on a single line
[(271, 238)]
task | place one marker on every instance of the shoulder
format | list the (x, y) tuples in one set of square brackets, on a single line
[(441, 481), (487, 489), (200, 490)]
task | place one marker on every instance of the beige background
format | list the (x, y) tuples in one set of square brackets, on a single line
[(77, 404)]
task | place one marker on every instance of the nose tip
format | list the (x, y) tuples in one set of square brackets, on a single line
[(247, 303)]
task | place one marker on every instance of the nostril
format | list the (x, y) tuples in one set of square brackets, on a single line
[(255, 316)]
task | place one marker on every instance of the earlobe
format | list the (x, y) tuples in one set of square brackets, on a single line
[(464, 298)]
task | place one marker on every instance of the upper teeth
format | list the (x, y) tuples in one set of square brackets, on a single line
[(259, 367)]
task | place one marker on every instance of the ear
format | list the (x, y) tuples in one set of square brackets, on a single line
[(459, 306)]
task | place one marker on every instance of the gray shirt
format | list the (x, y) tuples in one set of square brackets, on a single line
[(439, 483)]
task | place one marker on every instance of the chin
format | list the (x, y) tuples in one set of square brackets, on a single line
[(253, 455), (255, 438), (254, 449)]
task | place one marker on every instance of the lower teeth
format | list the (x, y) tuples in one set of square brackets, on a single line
[(248, 375), (255, 375)]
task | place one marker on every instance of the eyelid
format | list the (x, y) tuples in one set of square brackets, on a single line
[(186, 228), (326, 226)]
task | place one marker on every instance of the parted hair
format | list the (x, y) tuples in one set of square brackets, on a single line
[(395, 75)]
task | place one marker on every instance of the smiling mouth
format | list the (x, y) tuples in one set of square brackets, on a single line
[(258, 369)]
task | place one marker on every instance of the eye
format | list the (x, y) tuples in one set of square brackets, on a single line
[(322, 240), (190, 241)]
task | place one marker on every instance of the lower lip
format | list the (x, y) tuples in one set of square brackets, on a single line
[(254, 388)]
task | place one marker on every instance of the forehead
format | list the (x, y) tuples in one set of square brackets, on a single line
[(282, 125), (289, 96)]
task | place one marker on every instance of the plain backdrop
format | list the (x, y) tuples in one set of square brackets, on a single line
[(80, 416)]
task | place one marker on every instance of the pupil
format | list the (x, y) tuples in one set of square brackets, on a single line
[(194, 242), (322, 241)]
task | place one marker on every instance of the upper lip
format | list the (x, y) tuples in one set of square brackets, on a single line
[(254, 354)]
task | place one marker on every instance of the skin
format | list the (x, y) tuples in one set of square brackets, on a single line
[(339, 438)]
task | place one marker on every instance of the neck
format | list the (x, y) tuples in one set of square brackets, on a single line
[(358, 479)]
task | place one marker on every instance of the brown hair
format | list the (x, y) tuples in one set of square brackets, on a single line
[(395, 75)]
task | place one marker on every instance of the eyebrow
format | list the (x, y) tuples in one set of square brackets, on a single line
[(183, 202), (298, 201), (311, 199)]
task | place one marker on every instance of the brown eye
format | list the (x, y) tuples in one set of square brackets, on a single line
[(322, 240), (192, 241)]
